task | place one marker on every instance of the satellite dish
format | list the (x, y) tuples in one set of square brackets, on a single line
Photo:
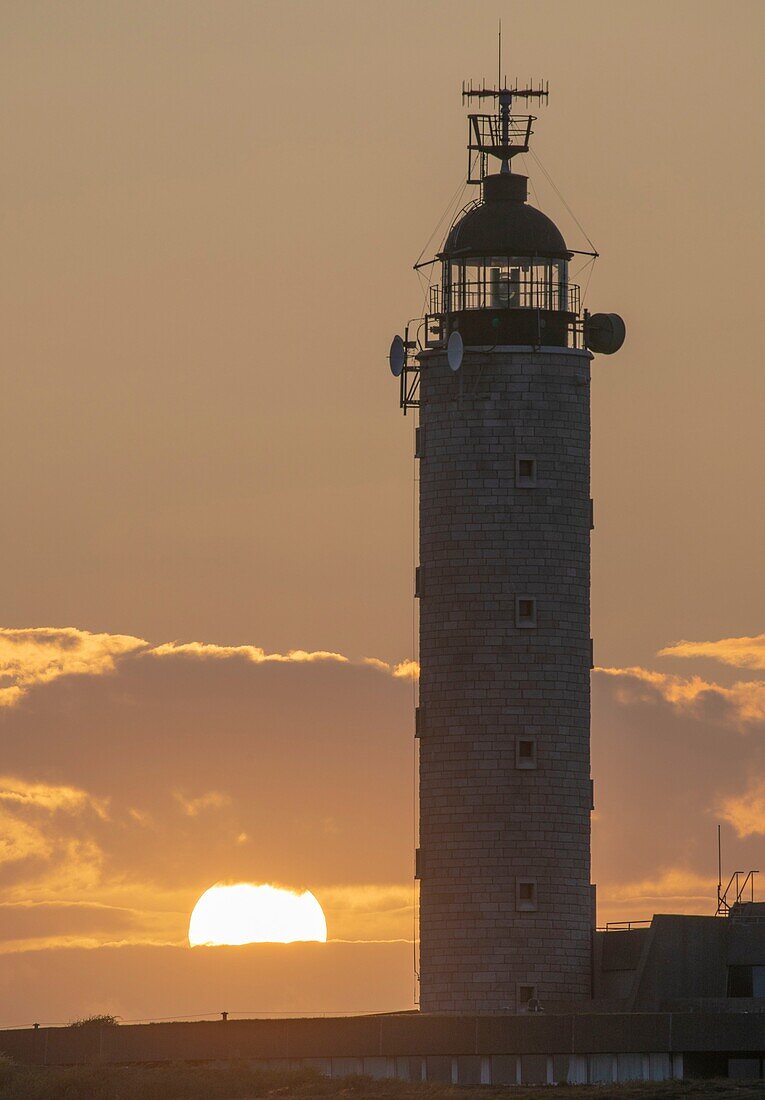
[(397, 356), (604, 333), (455, 349)]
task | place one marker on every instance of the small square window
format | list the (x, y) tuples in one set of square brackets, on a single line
[(526, 894), (526, 752), (525, 611), (526, 994), (525, 472)]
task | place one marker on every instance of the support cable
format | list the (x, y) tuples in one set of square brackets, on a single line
[(452, 203), (551, 181)]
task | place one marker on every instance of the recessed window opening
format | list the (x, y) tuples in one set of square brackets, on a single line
[(526, 994), (525, 472), (526, 611), (526, 894), (746, 981), (526, 752)]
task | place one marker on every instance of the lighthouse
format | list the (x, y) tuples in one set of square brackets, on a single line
[(498, 372)]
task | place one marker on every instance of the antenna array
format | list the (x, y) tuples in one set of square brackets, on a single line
[(502, 135)]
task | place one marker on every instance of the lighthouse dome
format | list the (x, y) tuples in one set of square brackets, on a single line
[(505, 225)]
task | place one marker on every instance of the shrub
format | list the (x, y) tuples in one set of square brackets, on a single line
[(96, 1021)]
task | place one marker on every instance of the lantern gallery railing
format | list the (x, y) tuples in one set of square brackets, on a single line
[(504, 293)]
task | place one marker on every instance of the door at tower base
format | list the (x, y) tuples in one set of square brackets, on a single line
[(506, 913)]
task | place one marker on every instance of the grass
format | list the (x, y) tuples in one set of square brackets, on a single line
[(221, 1082)]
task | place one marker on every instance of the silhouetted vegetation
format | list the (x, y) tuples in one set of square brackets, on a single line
[(96, 1021), (232, 1082)]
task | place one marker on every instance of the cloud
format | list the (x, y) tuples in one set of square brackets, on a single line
[(36, 656), (746, 812), (315, 758), (135, 791), (743, 703), (738, 652), (672, 890), (254, 654), (40, 655), (369, 912), (407, 670), (210, 800), (21, 794), (403, 670), (139, 981), (30, 825), (20, 840)]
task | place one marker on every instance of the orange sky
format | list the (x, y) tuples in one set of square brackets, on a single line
[(210, 212)]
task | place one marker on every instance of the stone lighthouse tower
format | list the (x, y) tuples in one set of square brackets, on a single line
[(499, 370)]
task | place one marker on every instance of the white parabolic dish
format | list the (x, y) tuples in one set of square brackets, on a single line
[(455, 349)]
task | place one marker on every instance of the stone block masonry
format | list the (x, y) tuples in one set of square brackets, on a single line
[(506, 906)]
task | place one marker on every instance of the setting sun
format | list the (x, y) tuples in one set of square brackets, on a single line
[(245, 913)]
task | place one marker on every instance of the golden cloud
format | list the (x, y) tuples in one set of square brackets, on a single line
[(738, 652), (22, 794), (254, 654), (210, 800), (118, 909), (744, 699), (121, 913), (673, 890), (404, 670), (20, 840), (746, 812), (401, 670), (368, 912), (407, 670), (39, 655), (24, 834)]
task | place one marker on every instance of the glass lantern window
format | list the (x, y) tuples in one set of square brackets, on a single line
[(506, 282)]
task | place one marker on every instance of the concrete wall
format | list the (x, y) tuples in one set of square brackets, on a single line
[(680, 962), (486, 824), (686, 958), (465, 1050)]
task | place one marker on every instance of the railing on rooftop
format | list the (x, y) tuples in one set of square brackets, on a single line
[(624, 925), (739, 884)]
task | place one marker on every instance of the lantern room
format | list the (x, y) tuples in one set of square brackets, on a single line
[(505, 272)]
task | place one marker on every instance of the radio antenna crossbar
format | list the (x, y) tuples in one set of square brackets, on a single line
[(502, 134)]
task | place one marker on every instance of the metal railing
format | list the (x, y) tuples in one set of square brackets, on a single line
[(490, 132), (740, 882), (561, 297), (624, 925)]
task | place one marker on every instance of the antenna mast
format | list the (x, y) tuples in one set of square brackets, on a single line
[(502, 135)]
